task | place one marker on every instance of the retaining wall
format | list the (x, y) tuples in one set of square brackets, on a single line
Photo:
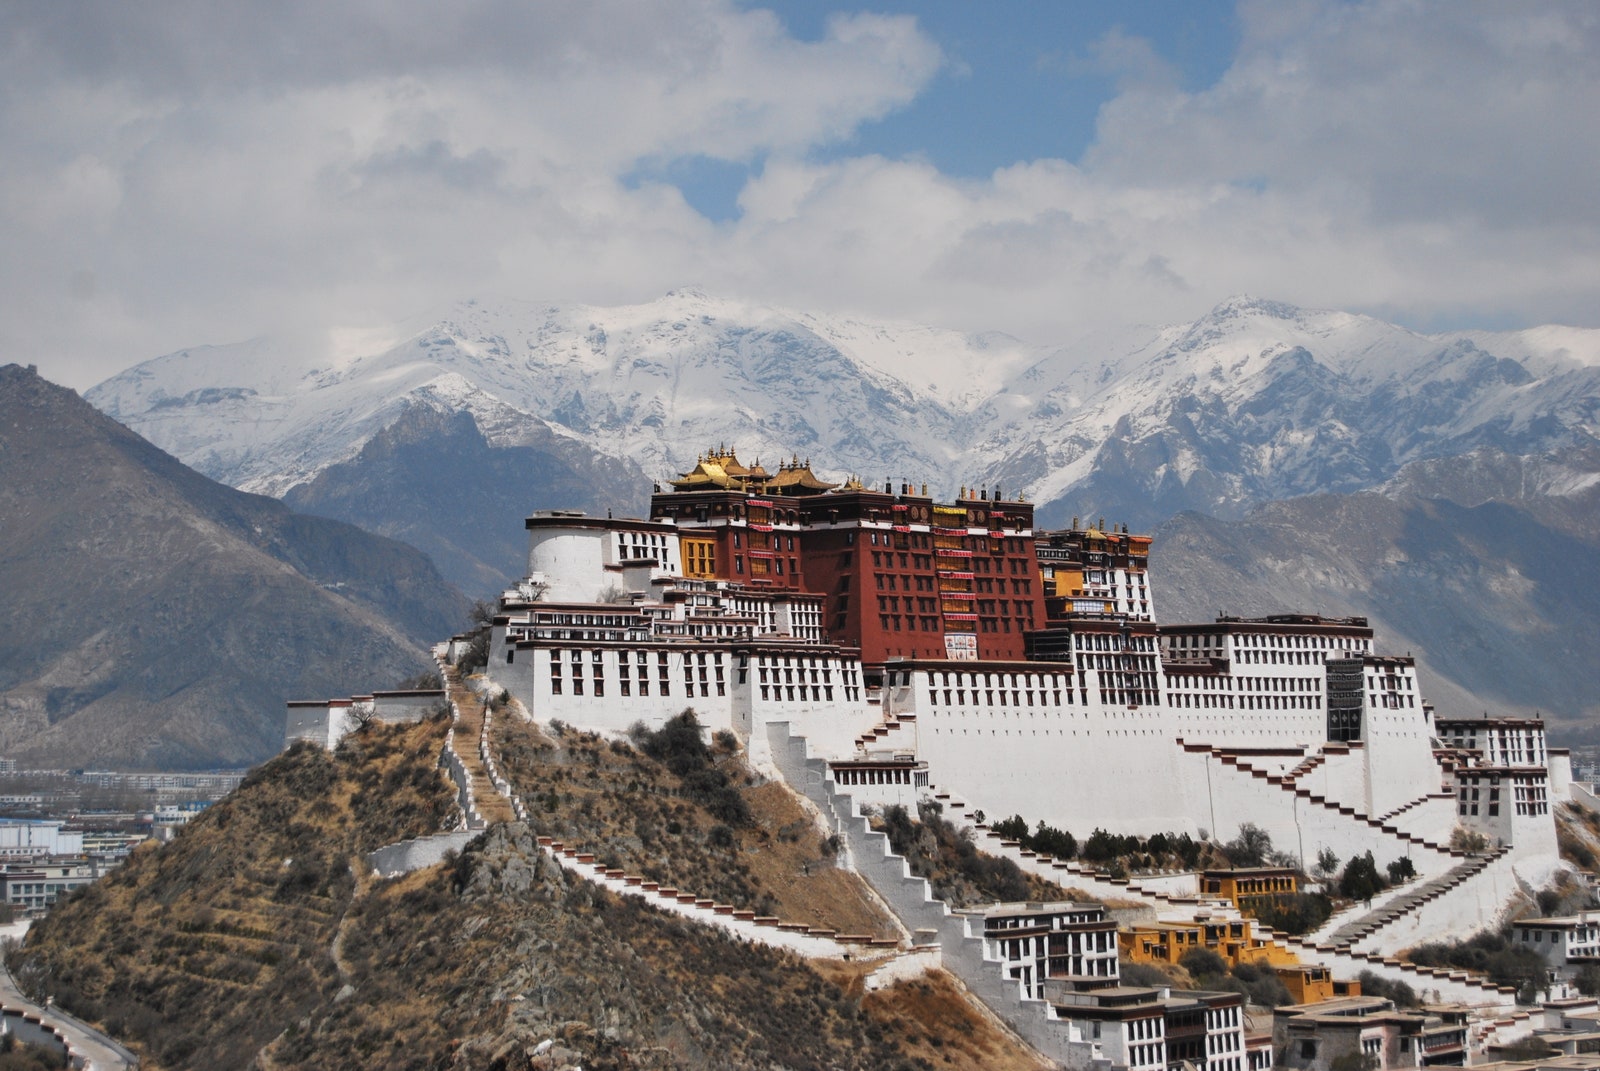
[(418, 852), (29, 1029)]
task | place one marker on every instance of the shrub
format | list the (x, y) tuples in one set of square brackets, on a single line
[(680, 747), (1492, 954), (949, 860), (1292, 913), (1261, 985), (1401, 870), (1361, 880), (1147, 974), (1375, 985), (1203, 963)]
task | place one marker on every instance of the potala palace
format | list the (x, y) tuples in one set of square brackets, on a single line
[(924, 647), (872, 647)]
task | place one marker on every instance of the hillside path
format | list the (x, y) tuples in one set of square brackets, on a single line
[(493, 806), (100, 1052)]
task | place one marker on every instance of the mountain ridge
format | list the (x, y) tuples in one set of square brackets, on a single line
[(657, 383), (156, 618), (1257, 402)]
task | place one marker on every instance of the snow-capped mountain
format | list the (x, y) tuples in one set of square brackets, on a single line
[(1254, 401), (1258, 401), (655, 383)]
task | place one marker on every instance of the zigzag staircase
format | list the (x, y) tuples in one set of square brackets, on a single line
[(1396, 908), (883, 729), (1289, 783), (1457, 985), (962, 952), (1340, 956)]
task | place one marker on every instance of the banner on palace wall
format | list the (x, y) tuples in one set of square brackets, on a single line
[(961, 647)]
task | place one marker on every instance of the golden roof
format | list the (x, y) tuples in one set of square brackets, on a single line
[(720, 469), (797, 478)]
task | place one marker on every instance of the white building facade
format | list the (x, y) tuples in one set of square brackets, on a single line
[(1291, 722)]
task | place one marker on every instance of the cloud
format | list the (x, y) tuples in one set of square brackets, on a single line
[(219, 171), (180, 173)]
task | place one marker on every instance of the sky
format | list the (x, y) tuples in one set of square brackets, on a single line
[(177, 173)]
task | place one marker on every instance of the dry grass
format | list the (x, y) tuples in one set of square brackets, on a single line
[(938, 1024), (182, 949), (613, 800)]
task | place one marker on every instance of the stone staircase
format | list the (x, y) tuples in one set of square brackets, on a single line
[(1306, 765), (1404, 807), (1289, 784), (487, 800), (1397, 907), (884, 729), (911, 899)]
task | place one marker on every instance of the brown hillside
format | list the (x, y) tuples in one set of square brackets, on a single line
[(249, 941), (633, 813), (201, 951)]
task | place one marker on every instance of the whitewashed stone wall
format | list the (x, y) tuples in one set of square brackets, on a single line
[(1476, 904), (419, 852)]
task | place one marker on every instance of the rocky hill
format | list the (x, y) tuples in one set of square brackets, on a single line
[(153, 617), (257, 938)]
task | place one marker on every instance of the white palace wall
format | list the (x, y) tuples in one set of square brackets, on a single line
[(1399, 757), (1076, 769), (728, 689), (1342, 776), (1223, 798)]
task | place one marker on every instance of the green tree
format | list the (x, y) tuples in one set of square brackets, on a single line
[(1054, 842), (1361, 880), (1251, 847), (1013, 828), (1327, 863), (1401, 870)]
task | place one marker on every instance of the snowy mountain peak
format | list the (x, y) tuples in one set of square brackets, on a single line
[(1254, 400)]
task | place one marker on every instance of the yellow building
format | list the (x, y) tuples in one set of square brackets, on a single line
[(1168, 942), (1242, 884), (1309, 983)]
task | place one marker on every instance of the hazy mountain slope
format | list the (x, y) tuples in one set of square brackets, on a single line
[(154, 617), (432, 480), (1501, 608)]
